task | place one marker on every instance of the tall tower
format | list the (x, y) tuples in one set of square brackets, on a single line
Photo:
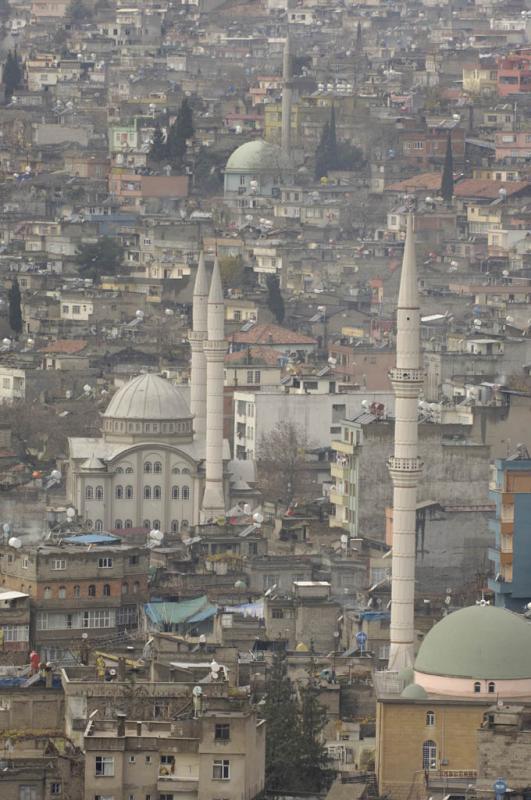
[(287, 96), (405, 466), (197, 337), (215, 348)]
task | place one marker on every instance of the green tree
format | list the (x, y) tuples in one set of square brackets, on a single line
[(15, 309), (321, 154), (179, 133), (447, 180), (11, 75), (281, 462), (101, 258), (315, 774), (78, 11), (158, 145), (232, 269), (282, 728), (185, 120), (275, 301)]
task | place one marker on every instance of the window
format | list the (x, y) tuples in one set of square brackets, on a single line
[(429, 755), (47, 592), (147, 492), (157, 466), (98, 525), (174, 526), (148, 759), (221, 769), (97, 618), (270, 580), (148, 466), (62, 592), (119, 470), (157, 493), (277, 613), (430, 718), (119, 492), (477, 687), (77, 590), (184, 524), (134, 560), (174, 492), (92, 590), (106, 590), (89, 493), (104, 766), (99, 493), (105, 562), (222, 732), (147, 524), (128, 523), (59, 563), (55, 788), (103, 797), (132, 760), (125, 588), (176, 470), (27, 792), (166, 796), (491, 687), (136, 587), (185, 493), (129, 470), (156, 524), (129, 494)]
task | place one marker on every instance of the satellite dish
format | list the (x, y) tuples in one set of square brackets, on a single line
[(156, 535), (70, 512), (247, 508), (139, 314), (365, 404), (55, 474), (87, 388), (258, 518), (15, 542), (344, 539), (447, 600), (68, 394), (197, 691), (169, 312)]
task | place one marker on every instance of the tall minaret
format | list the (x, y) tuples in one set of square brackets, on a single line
[(215, 348), (405, 466), (197, 337), (286, 99)]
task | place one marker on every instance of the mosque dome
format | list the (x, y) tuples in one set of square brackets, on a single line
[(256, 156), (480, 642), (414, 692), (148, 397)]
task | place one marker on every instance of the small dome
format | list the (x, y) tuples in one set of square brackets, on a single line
[(148, 397), (482, 642), (414, 692), (256, 156)]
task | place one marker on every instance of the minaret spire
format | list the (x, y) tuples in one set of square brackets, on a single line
[(215, 348), (405, 466), (287, 94), (197, 337)]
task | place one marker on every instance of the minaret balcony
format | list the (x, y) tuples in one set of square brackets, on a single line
[(409, 465), (400, 375)]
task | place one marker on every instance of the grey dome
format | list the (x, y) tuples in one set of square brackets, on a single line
[(148, 397), (257, 156)]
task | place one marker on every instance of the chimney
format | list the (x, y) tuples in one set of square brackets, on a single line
[(120, 719)]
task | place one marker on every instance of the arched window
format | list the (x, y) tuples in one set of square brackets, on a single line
[(184, 523), (147, 524), (185, 471), (491, 687), (185, 493), (129, 493), (136, 587), (125, 588), (477, 687), (89, 493), (157, 492), (99, 493), (175, 526), (106, 590), (62, 592), (77, 590), (147, 492), (429, 755), (118, 470), (118, 523), (92, 590), (175, 493), (157, 466), (98, 525), (47, 592), (148, 466), (89, 524), (156, 524), (430, 718), (176, 470), (119, 492), (129, 470), (128, 523)]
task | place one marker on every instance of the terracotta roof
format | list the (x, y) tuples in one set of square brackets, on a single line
[(429, 181), (475, 187), (270, 334), (259, 356), (65, 346)]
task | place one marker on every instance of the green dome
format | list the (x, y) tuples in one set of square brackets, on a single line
[(256, 156), (414, 692), (482, 642)]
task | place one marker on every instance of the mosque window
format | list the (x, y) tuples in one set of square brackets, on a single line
[(491, 687), (148, 466), (185, 471), (429, 755), (125, 588), (89, 524), (89, 493), (185, 493), (147, 492), (174, 492), (477, 687), (128, 523), (99, 493), (175, 526), (176, 470), (129, 493), (157, 492), (430, 718), (92, 590), (184, 523), (155, 427), (147, 524), (129, 470), (156, 524), (119, 470), (148, 427), (157, 466), (118, 523), (119, 492), (98, 525)]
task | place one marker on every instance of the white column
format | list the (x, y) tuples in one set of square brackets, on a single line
[(197, 337)]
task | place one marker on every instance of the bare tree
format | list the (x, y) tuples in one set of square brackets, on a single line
[(282, 465)]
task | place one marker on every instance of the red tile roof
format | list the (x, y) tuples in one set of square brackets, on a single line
[(427, 181), (65, 346), (478, 187), (270, 335), (259, 356)]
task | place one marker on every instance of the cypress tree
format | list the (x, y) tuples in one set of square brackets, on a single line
[(185, 120), (11, 75), (275, 301), (332, 140), (447, 180), (315, 773), (15, 308), (282, 729), (321, 155), (359, 43)]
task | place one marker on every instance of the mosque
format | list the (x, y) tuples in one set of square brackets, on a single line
[(161, 463)]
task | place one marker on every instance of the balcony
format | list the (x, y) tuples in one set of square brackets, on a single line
[(338, 499), (341, 471), (447, 779), (343, 447), (174, 784)]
